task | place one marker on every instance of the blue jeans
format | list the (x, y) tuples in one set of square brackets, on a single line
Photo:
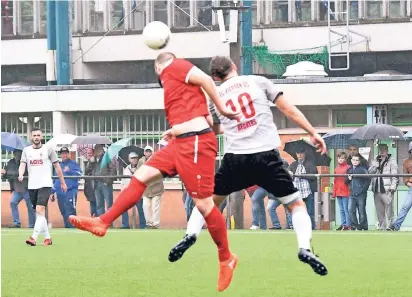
[(273, 204), (258, 208), (103, 194), (93, 208), (310, 205), (344, 210), (142, 219), (358, 202), (14, 202), (67, 205), (404, 210), (189, 205)]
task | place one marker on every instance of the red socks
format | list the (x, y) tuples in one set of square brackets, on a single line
[(128, 198), (217, 229)]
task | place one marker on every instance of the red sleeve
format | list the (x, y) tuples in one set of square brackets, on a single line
[(181, 69)]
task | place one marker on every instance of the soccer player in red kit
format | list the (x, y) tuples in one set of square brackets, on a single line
[(191, 153)]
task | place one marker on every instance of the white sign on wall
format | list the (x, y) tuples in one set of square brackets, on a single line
[(380, 114)]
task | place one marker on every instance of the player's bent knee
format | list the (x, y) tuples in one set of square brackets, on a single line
[(204, 205), (41, 209), (296, 205), (147, 174), (289, 199), (218, 200)]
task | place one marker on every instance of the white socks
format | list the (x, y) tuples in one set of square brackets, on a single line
[(302, 226), (196, 222), (40, 227)]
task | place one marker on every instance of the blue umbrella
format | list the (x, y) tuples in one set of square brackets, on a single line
[(409, 134), (341, 139), (12, 142), (113, 151)]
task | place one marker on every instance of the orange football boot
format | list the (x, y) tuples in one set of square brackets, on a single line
[(226, 272), (93, 225)]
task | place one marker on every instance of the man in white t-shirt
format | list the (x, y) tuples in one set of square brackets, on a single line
[(39, 160)]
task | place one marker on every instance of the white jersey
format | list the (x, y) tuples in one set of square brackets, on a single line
[(254, 131), (39, 166)]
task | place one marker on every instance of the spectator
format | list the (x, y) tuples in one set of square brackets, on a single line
[(103, 187), (89, 189), (152, 195), (257, 195), (130, 170), (407, 169), (271, 207), (358, 187), (306, 185), (341, 192), (67, 200), (384, 187), (19, 190), (354, 150)]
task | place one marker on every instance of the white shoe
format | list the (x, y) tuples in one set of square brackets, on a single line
[(254, 227)]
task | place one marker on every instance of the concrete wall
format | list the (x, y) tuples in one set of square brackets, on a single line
[(384, 37)]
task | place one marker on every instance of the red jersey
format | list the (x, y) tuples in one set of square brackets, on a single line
[(183, 101)]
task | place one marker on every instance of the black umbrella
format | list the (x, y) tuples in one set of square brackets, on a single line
[(292, 147), (124, 154), (378, 131)]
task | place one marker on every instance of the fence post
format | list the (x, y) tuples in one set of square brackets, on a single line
[(319, 204)]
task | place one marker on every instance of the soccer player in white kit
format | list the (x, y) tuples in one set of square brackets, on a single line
[(251, 157), (39, 160)]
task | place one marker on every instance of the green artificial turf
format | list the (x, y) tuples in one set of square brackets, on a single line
[(134, 263)]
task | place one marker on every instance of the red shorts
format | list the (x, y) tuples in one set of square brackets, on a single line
[(193, 158)]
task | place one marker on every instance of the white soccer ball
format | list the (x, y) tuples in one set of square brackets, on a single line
[(156, 35)]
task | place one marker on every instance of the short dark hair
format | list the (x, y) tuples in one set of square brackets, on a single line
[(220, 66), (357, 156), (342, 154), (163, 57), (34, 129)]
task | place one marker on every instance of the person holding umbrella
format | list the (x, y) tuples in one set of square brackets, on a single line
[(306, 185), (383, 188), (130, 170)]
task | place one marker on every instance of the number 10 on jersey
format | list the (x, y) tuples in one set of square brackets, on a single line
[(246, 106)]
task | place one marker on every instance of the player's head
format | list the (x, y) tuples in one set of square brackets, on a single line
[(36, 136), (222, 68), (161, 61)]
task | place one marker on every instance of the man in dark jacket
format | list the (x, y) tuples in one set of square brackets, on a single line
[(19, 191), (358, 187), (103, 186), (89, 183), (306, 185)]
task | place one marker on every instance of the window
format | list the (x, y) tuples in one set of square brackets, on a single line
[(7, 18), (397, 9), (160, 11), (352, 11), (204, 12), (374, 9), (280, 11), (139, 16), (254, 12), (323, 10), (181, 15), (96, 15), (303, 10), (26, 9), (117, 15), (402, 116), (317, 117), (350, 117), (43, 17)]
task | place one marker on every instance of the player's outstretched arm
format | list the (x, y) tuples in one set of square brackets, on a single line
[(198, 77), (294, 114)]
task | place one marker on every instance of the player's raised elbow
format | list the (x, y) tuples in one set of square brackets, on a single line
[(287, 108)]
